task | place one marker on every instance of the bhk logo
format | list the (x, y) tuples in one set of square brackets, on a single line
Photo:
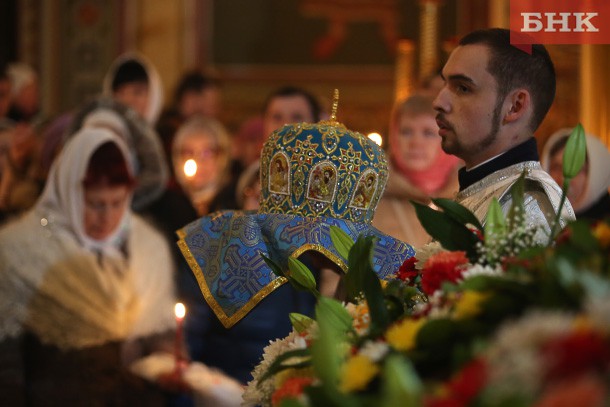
[(559, 22)]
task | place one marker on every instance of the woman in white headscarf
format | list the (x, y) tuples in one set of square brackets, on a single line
[(588, 191), (151, 167), (86, 286), (129, 105), (124, 70)]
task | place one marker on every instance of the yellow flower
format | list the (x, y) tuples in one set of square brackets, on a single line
[(401, 336), (469, 304), (357, 373), (361, 316), (602, 233)]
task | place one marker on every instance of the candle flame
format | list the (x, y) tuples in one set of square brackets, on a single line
[(180, 310), (376, 137), (190, 168)]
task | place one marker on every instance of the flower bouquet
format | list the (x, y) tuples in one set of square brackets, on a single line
[(481, 317)]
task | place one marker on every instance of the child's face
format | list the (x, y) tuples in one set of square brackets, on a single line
[(134, 95), (417, 142)]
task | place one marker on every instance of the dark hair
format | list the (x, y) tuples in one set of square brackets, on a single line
[(288, 91), (513, 68), (194, 81), (129, 71), (107, 166)]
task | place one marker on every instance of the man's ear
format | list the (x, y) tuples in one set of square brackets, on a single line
[(520, 105)]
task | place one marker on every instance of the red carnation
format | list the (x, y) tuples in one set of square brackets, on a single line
[(581, 351), (463, 387), (442, 267), (467, 384), (407, 272), (291, 389)]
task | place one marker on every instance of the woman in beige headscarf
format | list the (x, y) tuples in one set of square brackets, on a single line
[(419, 170), (85, 285)]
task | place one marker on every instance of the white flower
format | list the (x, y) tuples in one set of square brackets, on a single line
[(480, 270), (516, 366), (256, 394), (374, 351)]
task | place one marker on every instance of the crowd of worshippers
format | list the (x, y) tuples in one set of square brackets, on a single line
[(91, 199)]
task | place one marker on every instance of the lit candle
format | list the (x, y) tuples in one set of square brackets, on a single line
[(190, 168), (180, 312)]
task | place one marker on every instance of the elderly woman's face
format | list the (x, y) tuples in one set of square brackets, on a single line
[(104, 209)]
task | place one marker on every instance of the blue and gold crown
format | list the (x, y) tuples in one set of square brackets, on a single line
[(322, 170), (313, 177)]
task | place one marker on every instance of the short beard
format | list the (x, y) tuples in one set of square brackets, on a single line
[(495, 126), (488, 140)]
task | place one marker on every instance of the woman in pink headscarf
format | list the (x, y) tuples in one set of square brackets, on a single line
[(419, 170)]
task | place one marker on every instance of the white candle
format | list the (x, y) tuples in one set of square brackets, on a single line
[(180, 311)]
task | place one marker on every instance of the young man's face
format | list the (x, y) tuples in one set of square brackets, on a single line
[(284, 110), (134, 95), (468, 116)]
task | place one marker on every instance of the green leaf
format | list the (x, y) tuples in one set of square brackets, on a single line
[(331, 397), (575, 152), (517, 209), (437, 333), (361, 278), (478, 283), (335, 313), (300, 322), (327, 350), (574, 156), (277, 270), (458, 212), (359, 256), (594, 285), (450, 233), (341, 240), (282, 362), (301, 274), (494, 222), (291, 402), (401, 384)]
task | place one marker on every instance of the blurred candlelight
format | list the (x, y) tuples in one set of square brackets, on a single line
[(376, 137), (190, 169), (180, 311)]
